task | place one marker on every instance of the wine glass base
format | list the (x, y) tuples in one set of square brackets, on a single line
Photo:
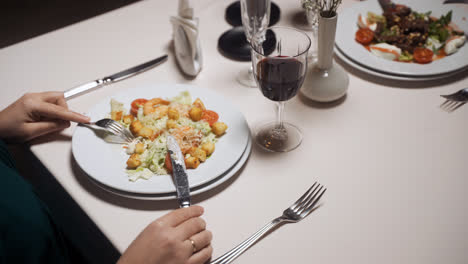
[(246, 78), (274, 139)]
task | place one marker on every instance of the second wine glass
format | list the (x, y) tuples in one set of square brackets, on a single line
[(279, 75), (255, 15)]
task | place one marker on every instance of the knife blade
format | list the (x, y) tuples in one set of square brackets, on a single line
[(179, 172), (456, 2), (75, 91)]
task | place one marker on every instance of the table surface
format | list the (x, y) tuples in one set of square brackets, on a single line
[(393, 162)]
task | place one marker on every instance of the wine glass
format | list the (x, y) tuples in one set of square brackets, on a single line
[(312, 10), (279, 74), (255, 15)]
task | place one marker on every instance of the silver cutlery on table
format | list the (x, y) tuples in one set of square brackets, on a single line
[(293, 214), (456, 2), (114, 128), (455, 100), (179, 172), (113, 78)]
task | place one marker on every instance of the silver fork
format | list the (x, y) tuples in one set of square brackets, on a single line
[(455, 100), (115, 128), (293, 214)]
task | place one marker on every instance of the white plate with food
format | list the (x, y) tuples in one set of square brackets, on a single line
[(128, 169), (405, 49), (193, 190), (369, 71)]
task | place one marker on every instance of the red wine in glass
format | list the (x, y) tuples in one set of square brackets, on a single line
[(280, 77), (279, 73)]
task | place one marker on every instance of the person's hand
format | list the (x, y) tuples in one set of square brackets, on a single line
[(36, 114), (168, 240)]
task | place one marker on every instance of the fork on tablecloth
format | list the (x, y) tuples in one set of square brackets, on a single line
[(293, 214), (454, 100)]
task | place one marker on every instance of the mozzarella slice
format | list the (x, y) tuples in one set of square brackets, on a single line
[(386, 51), (363, 22), (453, 44), (433, 43)]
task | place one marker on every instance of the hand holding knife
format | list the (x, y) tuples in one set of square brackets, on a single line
[(113, 78), (179, 172)]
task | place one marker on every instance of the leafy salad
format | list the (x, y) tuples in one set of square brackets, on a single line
[(195, 128), (402, 34)]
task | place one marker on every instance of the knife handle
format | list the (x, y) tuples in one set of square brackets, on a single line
[(75, 91)]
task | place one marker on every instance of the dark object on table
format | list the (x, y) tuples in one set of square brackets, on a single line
[(456, 2), (234, 45), (233, 14), (25, 19)]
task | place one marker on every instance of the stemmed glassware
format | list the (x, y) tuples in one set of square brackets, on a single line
[(312, 9), (255, 16), (279, 74)]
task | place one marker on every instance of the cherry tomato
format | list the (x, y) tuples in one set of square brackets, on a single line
[(422, 55), (168, 163), (364, 36), (136, 105), (210, 116)]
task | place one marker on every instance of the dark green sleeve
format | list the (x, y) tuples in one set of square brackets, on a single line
[(27, 231)]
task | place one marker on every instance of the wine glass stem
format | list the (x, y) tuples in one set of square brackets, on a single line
[(279, 115)]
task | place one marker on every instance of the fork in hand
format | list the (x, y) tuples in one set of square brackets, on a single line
[(115, 128), (293, 214), (454, 100)]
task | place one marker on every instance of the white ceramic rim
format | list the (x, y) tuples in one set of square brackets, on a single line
[(193, 191), (105, 163), (369, 71)]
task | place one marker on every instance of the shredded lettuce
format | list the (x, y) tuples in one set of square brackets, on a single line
[(117, 106), (154, 154), (202, 126), (183, 98), (139, 173), (211, 137)]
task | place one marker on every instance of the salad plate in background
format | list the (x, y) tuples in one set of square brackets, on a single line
[(105, 163), (394, 77), (348, 26)]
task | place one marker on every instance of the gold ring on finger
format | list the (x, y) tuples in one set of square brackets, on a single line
[(194, 247)]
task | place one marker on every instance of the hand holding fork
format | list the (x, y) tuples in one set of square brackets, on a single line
[(117, 129)]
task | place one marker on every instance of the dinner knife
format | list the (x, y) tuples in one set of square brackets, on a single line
[(75, 91), (456, 2), (179, 172)]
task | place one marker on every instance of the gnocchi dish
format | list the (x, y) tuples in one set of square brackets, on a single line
[(195, 128)]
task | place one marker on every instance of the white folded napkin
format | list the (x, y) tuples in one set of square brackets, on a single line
[(186, 40)]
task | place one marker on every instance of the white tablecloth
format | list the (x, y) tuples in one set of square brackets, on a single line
[(393, 162)]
